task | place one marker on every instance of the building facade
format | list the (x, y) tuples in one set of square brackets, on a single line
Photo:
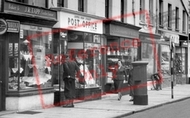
[(25, 41), (36, 34)]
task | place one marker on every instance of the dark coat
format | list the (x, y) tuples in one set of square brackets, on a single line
[(120, 74), (70, 68)]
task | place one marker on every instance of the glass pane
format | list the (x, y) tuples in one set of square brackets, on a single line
[(87, 56), (35, 59), (14, 70), (75, 36), (148, 55), (13, 73), (180, 60), (165, 60)]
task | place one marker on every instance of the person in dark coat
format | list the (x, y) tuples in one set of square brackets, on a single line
[(130, 81), (70, 68), (118, 78)]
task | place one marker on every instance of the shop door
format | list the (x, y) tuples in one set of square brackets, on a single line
[(1, 88)]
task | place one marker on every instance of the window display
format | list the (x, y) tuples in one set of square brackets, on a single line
[(30, 65), (165, 60), (180, 60), (119, 49), (148, 55), (85, 50)]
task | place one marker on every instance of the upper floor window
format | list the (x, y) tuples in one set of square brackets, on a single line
[(169, 16), (21, 1), (60, 3), (81, 5), (122, 10), (161, 12), (151, 14), (107, 8), (142, 8), (184, 21), (40, 3), (177, 18)]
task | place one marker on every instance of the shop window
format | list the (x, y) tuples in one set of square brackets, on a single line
[(84, 48), (147, 52), (30, 60), (119, 49), (75, 36), (165, 60), (180, 62)]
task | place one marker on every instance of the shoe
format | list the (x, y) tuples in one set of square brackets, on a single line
[(119, 96), (131, 100), (68, 106)]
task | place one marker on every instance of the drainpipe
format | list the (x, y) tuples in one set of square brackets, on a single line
[(133, 11)]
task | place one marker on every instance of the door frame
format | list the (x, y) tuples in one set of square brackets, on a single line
[(2, 84)]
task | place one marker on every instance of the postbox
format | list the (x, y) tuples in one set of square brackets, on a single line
[(139, 76)]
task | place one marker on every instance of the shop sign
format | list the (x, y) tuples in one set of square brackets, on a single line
[(79, 23), (3, 26), (13, 26), (33, 11), (172, 37), (123, 31)]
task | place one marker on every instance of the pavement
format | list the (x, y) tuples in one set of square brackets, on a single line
[(108, 106)]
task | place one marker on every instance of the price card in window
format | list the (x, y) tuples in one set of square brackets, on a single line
[(10, 49), (16, 49)]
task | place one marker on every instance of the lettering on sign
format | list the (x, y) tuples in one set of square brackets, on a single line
[(13, 26), (29, 10), (77, 21)]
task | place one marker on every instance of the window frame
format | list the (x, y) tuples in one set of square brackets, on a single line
[(177, 19)]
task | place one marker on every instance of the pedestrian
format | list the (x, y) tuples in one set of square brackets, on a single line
[(70, 68), (119, 75), (130, 81)]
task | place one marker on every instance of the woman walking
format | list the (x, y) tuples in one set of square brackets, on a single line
[(118, 77)]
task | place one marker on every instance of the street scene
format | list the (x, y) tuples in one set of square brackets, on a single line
[(103, 58), (160, 104)]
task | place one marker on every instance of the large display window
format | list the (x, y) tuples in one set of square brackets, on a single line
[(85, 50), (119, 49), (147, 54), (165, 60), (29, 63), (180, 61)]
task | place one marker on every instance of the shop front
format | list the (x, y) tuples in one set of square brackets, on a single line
[(150, 49), (121, 42), (182, 60), (80, 36), (25, 81), (180, 56)]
